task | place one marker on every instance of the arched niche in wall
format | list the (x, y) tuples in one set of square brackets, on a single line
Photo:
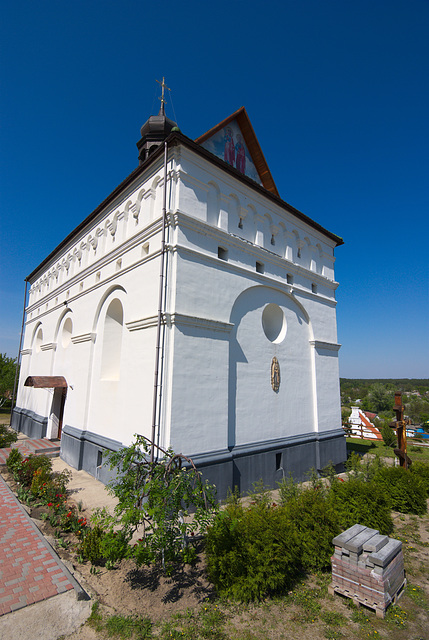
[(234, 209), (112, 341), (319, 258), (156, 199), (213, 204), (269, 324), (37, 340), (296, 246)]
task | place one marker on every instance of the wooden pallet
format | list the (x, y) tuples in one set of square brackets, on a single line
[(379, 608)]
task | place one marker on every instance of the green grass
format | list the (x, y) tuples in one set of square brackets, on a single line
[(416, 451), (118, 626)]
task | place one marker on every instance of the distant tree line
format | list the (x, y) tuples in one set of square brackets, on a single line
[(377, 396)]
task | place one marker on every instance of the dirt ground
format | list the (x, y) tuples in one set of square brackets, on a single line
[(128, 590), (146, 592)]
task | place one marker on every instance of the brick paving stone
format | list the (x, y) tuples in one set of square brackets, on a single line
[(30, 569)]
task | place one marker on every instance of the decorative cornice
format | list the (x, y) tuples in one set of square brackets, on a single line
[(84, 337), (180, 319), (142, 323), (202, 323), (49, 346), (328, 346)]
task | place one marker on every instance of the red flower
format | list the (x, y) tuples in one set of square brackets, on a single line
[(49, 504)]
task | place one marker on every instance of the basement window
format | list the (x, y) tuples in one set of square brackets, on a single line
[(222, 253), (260, 267), (278, 461)]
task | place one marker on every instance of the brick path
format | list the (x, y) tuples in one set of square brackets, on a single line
[(30, 570), (32, 445)]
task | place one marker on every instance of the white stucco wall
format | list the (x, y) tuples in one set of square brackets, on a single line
[(216, 368)]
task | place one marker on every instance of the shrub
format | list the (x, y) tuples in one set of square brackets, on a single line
[(14, 462), (366, 503), (7, 436), (158, 495), (252, 552), (317, 522), (103, 547), (288, 489), (421, 470), (47, 485), (406, 492), (26, 469)]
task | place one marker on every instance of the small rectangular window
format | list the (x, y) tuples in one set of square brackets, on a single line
[(278, 461), (289, 278), (314, 288), (260, 267), (222, 253)]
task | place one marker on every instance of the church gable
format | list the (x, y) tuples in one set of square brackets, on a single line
[(234, 141)]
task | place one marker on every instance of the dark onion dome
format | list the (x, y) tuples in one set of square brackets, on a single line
[(154, 132)]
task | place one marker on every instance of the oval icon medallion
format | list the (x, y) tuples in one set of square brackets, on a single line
[(275, 374)]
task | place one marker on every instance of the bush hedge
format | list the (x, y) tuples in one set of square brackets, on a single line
[(406, 492), (259, 550), (366, 503), (252, 551)]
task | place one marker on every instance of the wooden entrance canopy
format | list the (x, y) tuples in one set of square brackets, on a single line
[(45, 382)]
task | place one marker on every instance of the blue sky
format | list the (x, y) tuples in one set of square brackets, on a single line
[(337, 93)]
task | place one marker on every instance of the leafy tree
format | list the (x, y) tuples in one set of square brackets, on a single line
[(379, 398), (157, 497), (345, 414), (389, 436), (7, 377), (417, 409)]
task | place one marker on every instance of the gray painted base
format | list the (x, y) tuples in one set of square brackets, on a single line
[(28, 422), (271, 462), (240, 467)]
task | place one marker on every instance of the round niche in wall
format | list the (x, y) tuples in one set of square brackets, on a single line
[(67, 333), (274, 323)]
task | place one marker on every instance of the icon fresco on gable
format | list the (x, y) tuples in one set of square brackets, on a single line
[(228, 145)]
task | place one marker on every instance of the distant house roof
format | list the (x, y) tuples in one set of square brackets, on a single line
[(370, 415)]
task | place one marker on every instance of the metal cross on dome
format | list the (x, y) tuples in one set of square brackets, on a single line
[(164, 86)]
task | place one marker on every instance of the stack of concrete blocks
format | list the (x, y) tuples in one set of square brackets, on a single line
[(368, 567)]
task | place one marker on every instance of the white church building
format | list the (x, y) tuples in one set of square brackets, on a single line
[(193, 306)]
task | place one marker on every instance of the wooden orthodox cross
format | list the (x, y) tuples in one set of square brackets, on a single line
[(400, 426)]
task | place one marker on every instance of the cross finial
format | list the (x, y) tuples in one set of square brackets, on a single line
[(164, 86)]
